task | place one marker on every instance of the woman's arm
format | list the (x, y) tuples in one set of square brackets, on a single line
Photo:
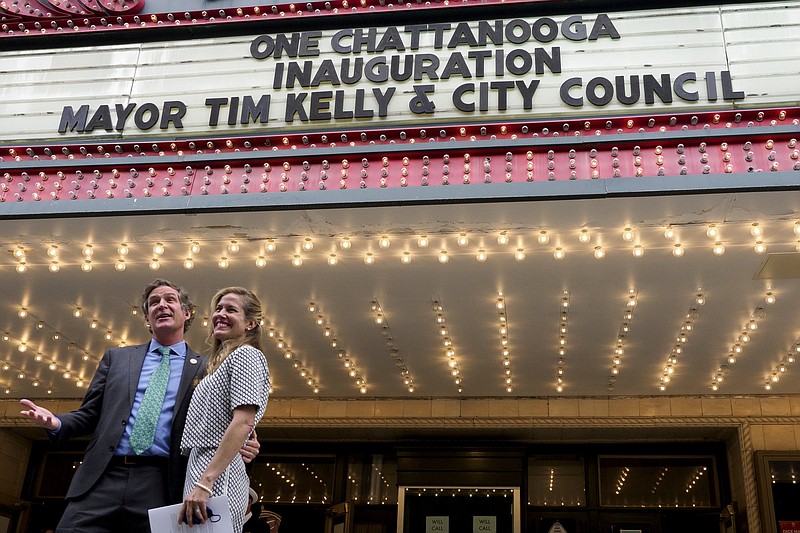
[(237, 432)]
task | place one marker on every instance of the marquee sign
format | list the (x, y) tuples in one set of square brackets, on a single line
[(503, 69)]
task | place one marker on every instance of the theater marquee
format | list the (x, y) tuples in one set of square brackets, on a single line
[(478, 71)]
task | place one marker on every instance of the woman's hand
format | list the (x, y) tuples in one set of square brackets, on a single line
[(194, 507)]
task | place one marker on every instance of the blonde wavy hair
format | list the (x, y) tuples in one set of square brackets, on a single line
[(251, 306)]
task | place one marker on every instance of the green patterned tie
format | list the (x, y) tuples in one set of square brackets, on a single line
[(144, 427)]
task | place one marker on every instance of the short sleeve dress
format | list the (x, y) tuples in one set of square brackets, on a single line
[(241, 379)]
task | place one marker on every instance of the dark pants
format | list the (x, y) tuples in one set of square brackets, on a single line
[(118, 502)]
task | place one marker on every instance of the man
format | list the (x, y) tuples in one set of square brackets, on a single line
[(123, 474)]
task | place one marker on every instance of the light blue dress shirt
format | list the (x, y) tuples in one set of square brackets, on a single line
[(164, 428)]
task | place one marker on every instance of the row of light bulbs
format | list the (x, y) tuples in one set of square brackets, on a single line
[(391, 345), (737, 348), (681, 338), (783, 365), (506, 358), (289, 355), (448, 346), (347, 361), (584, 236), (631, 299), (562, 340)]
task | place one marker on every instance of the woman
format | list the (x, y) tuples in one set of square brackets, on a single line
[(225, 408)]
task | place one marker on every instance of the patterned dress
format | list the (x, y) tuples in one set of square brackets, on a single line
[(241, 379)]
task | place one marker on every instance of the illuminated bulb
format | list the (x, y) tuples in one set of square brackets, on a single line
[(712, 232), (423, 241), (87, 251), (770, 298), (307, 245), (543, 237), (718, 249), (93, 324), (194, 248), (638, 251), (122, 249), (119, 266), (599, 253), (519, 255), (188, 263), (297, 261), (22, 313), (755, 230), (405, 258), (669, 233), (627, 235), (270, 246), (109, 336), (559, 253), (760, 248), (223, 263), (22, 267), (233, 247), (261, 261), (443, 257), (369, 259), (384, 242), (77, 312), (678, 250), (481, 256), (502, 238), (158, 249), (463, 240), (154, 264), (22, 347), (700, 299), (19, 252), (54, 266), (52, 250), (86, 266), (333, 260), (584, 236), (345, 243)]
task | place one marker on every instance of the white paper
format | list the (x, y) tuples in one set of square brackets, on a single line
[(165, 519)]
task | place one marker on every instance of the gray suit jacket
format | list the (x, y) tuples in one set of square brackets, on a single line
[(105, 411)]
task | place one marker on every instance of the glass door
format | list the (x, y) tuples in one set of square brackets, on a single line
[(459, 510)]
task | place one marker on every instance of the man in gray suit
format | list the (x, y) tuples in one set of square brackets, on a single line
[(115, 486)]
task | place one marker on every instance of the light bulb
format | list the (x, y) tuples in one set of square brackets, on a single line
[(481, 256), (345, 243), (384, 242), (194, 248), (519, 255), (233, 247), (712, 232), (678, 250), (270, 246), (86, 266), (423, 241), (599, 253), (543, 237), (405, 258), (297, 261), (627, 235), (77, 312), (796, 228), (154, 264), (755, 230), (369, 259), (718, 249), (261, 261), (502, 239), (463, 240), (760, 248), (669, 233), (22, 267), (770, 298), (584, 236), (119, 266), (307, 245), (223, 263), (19, 252), (52, 250), (158, 249), (333, 260), (443, 257), (22, 313), (188, 263), (122, 249), (54, 266), (638, 251), (87, 251), (559, 253)]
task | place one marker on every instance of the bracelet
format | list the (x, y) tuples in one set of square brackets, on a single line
[(201, 486)]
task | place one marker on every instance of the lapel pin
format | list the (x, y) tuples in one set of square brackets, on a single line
[(193, 361)]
